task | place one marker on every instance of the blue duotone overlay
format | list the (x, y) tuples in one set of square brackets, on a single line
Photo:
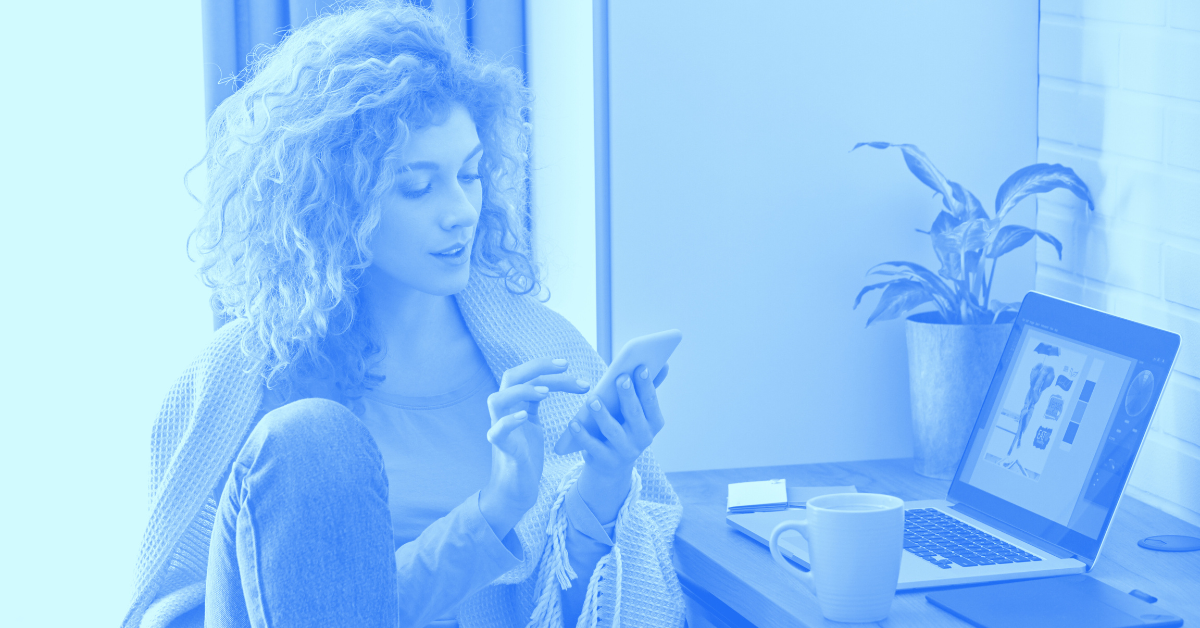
[(727, 204)]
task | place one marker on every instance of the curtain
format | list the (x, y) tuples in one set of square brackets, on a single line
[(233, 29)]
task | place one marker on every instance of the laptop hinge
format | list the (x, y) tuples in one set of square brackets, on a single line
[(1049, 548)]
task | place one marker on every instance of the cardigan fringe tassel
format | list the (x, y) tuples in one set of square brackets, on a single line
[(592, 603), (548, 612), (556, 565)]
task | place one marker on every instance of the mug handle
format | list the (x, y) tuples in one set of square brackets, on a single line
[(800, 526)]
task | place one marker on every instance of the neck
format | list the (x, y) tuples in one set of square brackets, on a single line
[(409, 320), (425, 340)]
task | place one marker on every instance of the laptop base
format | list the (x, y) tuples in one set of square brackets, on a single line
[(915, 572)]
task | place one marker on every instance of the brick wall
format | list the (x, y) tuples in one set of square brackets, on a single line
[(1119, 101)]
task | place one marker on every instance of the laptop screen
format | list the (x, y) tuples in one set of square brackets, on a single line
[(1063, 420)]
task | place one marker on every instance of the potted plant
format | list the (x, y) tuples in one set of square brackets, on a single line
[(954, 347)]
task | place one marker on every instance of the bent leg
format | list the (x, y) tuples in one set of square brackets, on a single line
[(302, 535)]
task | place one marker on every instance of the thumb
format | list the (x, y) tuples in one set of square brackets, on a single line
[(498, 434)]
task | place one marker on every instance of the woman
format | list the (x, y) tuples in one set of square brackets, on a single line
[(368, 441)]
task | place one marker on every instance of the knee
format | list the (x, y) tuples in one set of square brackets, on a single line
[(313, 431), (310, 454)]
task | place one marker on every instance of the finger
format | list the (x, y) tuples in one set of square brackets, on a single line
[(522, 373), (593, 448), (562, 382), (501, 429), (662, 374), (508, 400), (613, 432), (649, 397), (631, 409)]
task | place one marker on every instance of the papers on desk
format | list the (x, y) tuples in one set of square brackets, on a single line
[(770, 495), (761, 496)]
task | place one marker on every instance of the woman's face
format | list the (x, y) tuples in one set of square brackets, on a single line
[(427, 223)]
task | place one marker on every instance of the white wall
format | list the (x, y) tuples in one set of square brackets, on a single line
[(1120, 103), (559, 39), (103, 111), (740, 217)]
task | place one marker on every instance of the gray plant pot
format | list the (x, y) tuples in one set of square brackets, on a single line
[(949, 370)]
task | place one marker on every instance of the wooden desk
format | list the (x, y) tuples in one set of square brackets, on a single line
[(730, 580)]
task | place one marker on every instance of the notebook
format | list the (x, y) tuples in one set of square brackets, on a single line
[(775, 495), (764, 496), (1051, 603)]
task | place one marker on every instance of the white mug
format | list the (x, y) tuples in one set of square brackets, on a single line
[(855, 542)]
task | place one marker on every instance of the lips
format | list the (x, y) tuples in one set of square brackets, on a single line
[(455, 255), (452, 249)]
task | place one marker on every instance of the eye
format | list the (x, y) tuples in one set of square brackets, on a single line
[(415, 194), (469, 178)]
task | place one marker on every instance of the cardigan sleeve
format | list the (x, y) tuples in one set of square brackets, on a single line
[(460, 554), (452, 558)]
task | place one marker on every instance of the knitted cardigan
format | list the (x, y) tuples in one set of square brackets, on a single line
[(210, 411)]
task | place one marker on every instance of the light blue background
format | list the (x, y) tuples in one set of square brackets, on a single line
[(103, 111), (738, 216)]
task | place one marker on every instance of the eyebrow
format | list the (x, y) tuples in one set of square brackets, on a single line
[(429, 165)]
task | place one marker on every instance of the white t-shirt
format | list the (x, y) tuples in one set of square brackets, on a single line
[(437, 457)]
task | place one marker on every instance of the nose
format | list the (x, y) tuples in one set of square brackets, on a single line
[(460, 210)]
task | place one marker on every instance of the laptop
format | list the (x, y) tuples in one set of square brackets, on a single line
[(1047, 460)]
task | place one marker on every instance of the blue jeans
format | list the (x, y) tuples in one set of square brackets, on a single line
[(302, 535)]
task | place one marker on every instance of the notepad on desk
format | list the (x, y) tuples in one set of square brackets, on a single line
[(763, 496), (772, 495)]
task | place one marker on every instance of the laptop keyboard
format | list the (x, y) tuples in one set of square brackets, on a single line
[(947, 542)]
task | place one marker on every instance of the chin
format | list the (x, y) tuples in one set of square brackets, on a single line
[(450, 283)]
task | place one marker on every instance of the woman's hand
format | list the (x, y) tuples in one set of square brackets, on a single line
[(517, 440), (608, 471)]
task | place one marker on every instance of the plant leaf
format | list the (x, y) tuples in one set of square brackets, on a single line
[(944, 222), (1036, 179), (871, 144), (866, 289), (948, 247), (971, 206), (999, 307), (900, 296), (1051, 240), (924, 170), (1008, 238), (974, 234), (950, 240), (971, 268), (942, 293), (1014, 236), (919, 272)]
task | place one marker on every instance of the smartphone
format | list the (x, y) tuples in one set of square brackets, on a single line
[(651, 351)]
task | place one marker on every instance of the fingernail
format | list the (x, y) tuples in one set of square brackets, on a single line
[(541, 390), (596, 405), (521, 415), (559, 362), (645, 373), (623, 382), (575, 427), (583, 383)]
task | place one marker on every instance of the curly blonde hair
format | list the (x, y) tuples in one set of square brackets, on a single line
[(299, 156)]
